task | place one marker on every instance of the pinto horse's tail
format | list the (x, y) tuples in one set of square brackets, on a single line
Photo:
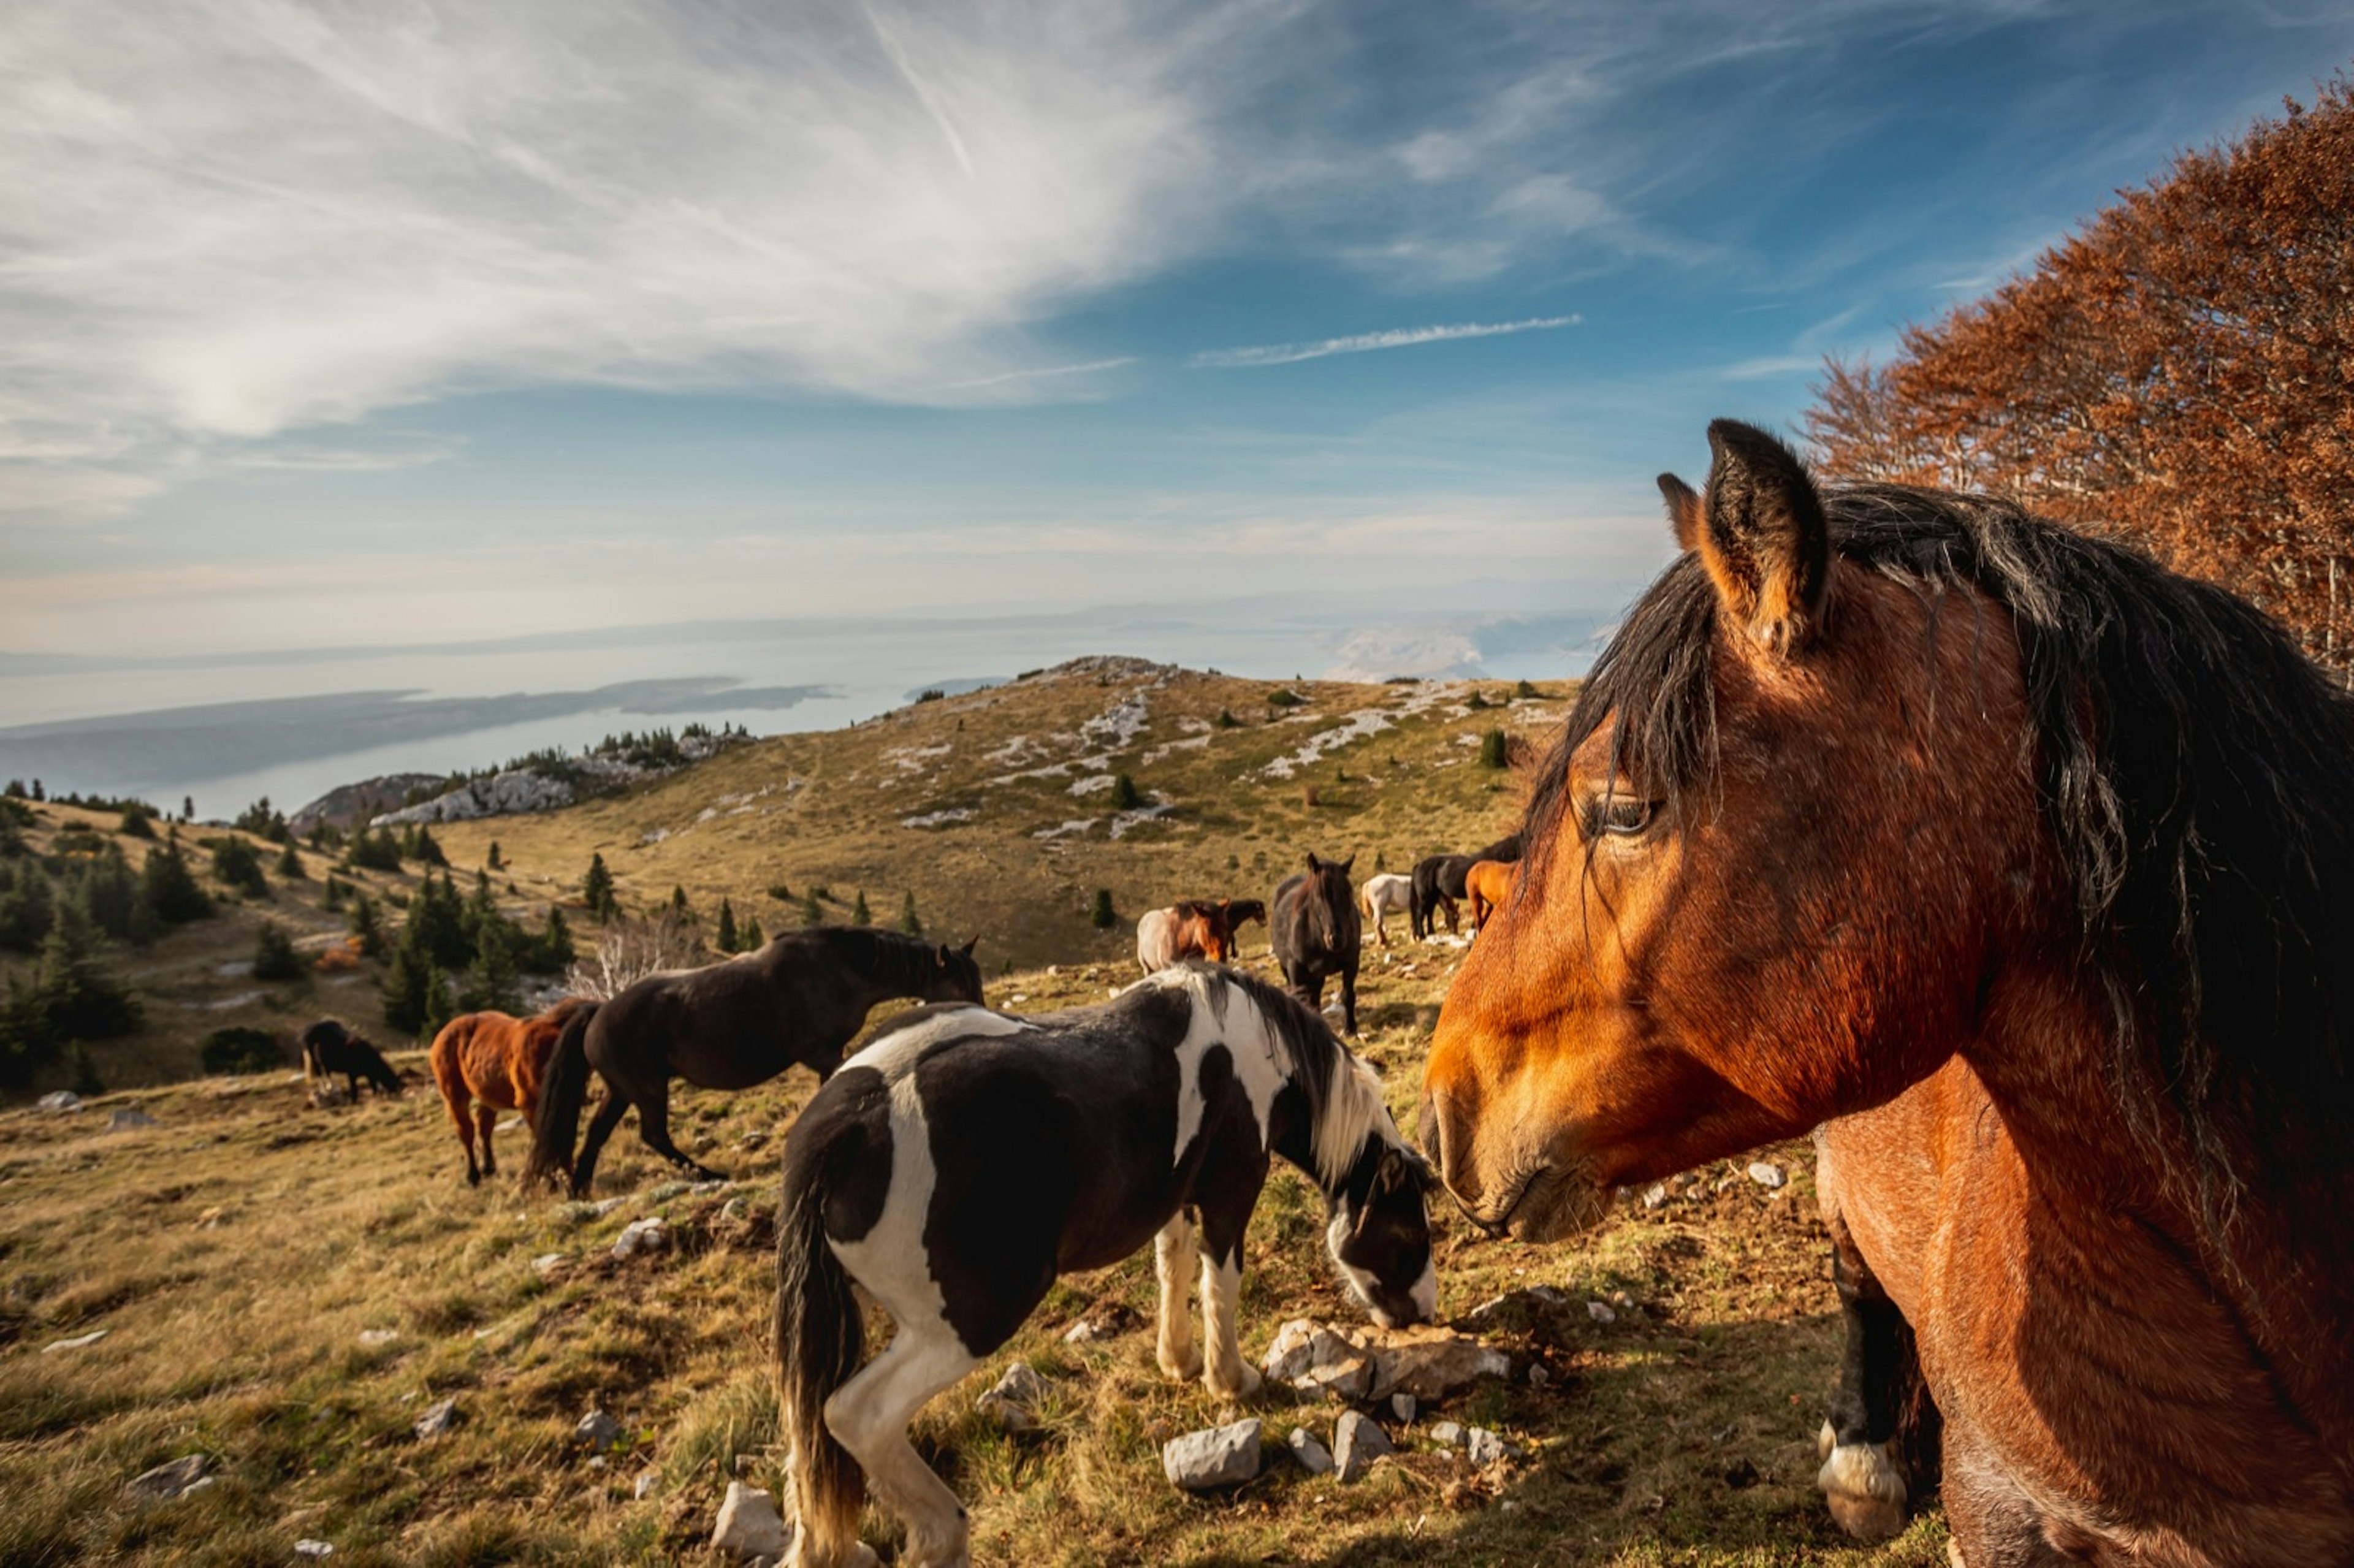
[(821, 1341), (557, 1120)]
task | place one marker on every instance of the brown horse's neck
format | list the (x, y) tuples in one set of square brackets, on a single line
[(2280, 1263)]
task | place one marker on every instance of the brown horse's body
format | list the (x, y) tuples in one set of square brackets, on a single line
[(2025, 870), (1193, 929), (486, 1062), (1489, 885)]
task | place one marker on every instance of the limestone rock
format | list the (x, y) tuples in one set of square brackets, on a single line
[(1220, 1456), (1430, 1363), (1012, 1402), (372, 1338), (438, 1418), (309, 1548), (77, 1342), (1601, 1312), (1446, 1434), (643, 1238), (1313, 1456), (750, 1525), (189, 1473), (1401, 1405), (598, 1431), (1357, 1442), (1767, 1174), (1484, 1446), (126, 1118), (60, 1100)]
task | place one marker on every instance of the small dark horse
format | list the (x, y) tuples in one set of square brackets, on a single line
[(1439, 884), (964, 1158), (329, 1048), (801, 999), (1317, 933), (1239, 912)]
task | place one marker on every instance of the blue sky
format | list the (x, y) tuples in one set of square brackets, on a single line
[(403, 323)]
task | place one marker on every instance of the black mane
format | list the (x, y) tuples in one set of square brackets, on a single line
[(2196, 770)]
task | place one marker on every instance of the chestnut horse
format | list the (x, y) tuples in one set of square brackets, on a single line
[(1490, 884), (2027, 867), (486, 1062), (1189, 929)]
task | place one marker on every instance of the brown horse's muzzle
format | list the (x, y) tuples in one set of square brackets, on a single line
[(1509, 1173)]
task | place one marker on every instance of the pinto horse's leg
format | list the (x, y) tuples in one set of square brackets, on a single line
[(1873, 1421), (1174, 1252), (1224, 1370), (592, 1143), (869, 1415)]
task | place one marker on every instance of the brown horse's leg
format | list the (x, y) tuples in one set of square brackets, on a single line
[(653, 1130), (486, 1117), (1995, 1524), (1348, 996), (1864, 1474), (452, 1081), (601, 1128)]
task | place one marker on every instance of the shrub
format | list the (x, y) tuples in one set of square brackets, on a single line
[(1495, 750), (379, 851), (138, 823), (1102, 913), (630, 949), (289, 865), (1526, 690), (754, 940), (780, 892), (171, 889), (27, 905), (238, 864), (274, 958), (1227, 720), (910, 922), (365, 924), (1475, 702), (930, 694), (858, 914), (1282, 697), (422, 847), (725, 934), (812, 912), (597, 890), (1125, 796), (86, 1081), (554, 952), (492, 859), (238, 1049)]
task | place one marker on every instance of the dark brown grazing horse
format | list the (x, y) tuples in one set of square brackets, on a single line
[(1317, 933), (332, 1048), (2027, 867), (485, 1063), (801, 999), (1490, 884), (1189, 929), (1438, 885), (1240, 912)]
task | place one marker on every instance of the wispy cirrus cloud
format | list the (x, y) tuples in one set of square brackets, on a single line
[(1259, 354)]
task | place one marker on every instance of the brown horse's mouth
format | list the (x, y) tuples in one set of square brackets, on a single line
[(1553, 1203)]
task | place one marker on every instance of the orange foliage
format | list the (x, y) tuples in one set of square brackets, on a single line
[(2180, 374)]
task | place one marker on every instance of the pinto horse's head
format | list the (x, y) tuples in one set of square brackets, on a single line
[(1774, 868)]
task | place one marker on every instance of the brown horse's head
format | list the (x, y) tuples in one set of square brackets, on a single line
[(1205, 929), (1773, 869)]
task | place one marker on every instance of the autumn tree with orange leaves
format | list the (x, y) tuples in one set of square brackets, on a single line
[(2179, 374)]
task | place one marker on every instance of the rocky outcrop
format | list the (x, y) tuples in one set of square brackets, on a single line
[(349, 805)]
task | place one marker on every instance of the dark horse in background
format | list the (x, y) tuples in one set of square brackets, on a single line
[(1317, 933), (2024, 869), (1439, 884), (330, 1049), (801, 999)]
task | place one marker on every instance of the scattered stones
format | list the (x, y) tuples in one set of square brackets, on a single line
[(663, 1192), (1356, 1444), (643, 1487), (598, 1431), (76, 1343), (1539, 1377), (1518, 1302), (375, 1337), (1014, 1402), (1446, 1434), (1484, 1446), (438, 1418), (1401, 1406), (1314, 1359), (1430, 1363), (1767, 1174), (717, 1184), (309, 1548), (128, 1118), (1313, 1456), (60, 1100), (1085, 1332), (544, 1263), (1601, 1312), (1219, 1456), (644, 1237), (189, 1473), (750, 1525), (1655, 1196)]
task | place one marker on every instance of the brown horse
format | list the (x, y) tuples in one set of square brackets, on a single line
[(486, 1062), (2028, 867), (1189, 929), (1490, 884)]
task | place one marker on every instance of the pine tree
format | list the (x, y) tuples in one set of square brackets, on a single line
[(727, 935), (366, 924), (83, 998), (1103, 915), (172, 890), (556, 950), (1125, 796), (28, 909), (289, 865), (597, 890), (753, 940), (858, 912), (492, 980), (86, 1081), (1494, 749), (238, 864), (678, 901), (274, 958), (493, 858), (909, 923), (812, 912)]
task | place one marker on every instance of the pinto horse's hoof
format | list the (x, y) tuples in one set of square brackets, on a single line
[(1864, 1486)]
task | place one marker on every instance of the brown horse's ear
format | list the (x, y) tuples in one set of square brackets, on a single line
[(942, 957), (966, 951), (1313, 863), (1347, 863), (1761, 532)]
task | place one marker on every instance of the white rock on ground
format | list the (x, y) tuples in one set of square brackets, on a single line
[(177, 1478), (1484, 1446), (1766, 1173), (1012, 1402), (1446, 1434), (60, 1100), (127, 1119), (599, 1430), (374, 1337), (77, 1342), (750, 1525), (546, 1261), (1401, 1405), (1601, 1312), (642, 1237), (309, 1548), (1313, 1456), (1656, 1195), (643, 1487), (1220, 1456), (1357, 1442), (438, 1418)]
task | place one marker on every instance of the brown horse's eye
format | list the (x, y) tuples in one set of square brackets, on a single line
[(1622, 816)]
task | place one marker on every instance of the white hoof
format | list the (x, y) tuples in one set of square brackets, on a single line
[(1245, 1383), (1864, 1488)]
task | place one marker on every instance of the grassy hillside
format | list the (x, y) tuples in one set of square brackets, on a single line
[(288, 1288)]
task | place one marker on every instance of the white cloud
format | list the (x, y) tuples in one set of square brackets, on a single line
[(1369, 341)]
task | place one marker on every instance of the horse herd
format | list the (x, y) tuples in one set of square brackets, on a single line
[(2016, 868)]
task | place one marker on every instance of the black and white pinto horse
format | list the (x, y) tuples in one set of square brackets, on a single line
[(965, 1159)]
